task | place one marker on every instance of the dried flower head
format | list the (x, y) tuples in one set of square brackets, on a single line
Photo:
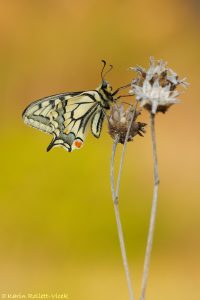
[(119, 122), (155, 88)]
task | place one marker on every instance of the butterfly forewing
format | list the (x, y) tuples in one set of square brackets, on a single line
[(37, 113), (66, 117)]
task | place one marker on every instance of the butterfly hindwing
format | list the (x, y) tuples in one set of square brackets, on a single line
[(66, 117), (97, 122), (73, 121)]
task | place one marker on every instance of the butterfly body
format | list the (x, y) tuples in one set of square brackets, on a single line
[(67, 116)]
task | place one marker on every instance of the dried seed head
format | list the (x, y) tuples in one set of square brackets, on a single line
[(119, 122), (155, 88)]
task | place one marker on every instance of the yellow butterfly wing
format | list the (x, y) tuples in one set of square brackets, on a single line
[(67, 117)]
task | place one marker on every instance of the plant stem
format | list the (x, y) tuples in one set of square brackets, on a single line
[(112, 167), (123, 152), (115, 196), (118, 221), (153, 211), (123, 250)]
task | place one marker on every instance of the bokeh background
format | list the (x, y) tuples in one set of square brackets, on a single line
[(57, 225)]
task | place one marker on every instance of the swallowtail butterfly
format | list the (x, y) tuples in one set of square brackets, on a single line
[(67, 116)]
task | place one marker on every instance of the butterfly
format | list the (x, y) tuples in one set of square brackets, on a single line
[(67, 116)]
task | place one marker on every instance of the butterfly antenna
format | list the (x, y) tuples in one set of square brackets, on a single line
[(103, 75), (111, 67), (104, 64)]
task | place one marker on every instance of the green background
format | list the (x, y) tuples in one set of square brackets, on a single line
[(57, 226)]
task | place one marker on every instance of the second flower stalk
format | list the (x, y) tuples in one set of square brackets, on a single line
[(156, 90)]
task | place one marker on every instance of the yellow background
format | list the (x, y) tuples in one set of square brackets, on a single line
[(57, 226)]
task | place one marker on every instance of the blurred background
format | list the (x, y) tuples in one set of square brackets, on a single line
[(57, 225)]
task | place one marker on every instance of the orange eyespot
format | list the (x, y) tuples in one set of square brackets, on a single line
[(78, 143)]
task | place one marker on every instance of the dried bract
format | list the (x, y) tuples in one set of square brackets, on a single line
[(155, 88), (119, 122)]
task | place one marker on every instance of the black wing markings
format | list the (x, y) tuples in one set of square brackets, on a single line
[(48, 114)]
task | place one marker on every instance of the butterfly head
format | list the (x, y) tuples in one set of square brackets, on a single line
[(105, 88)]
